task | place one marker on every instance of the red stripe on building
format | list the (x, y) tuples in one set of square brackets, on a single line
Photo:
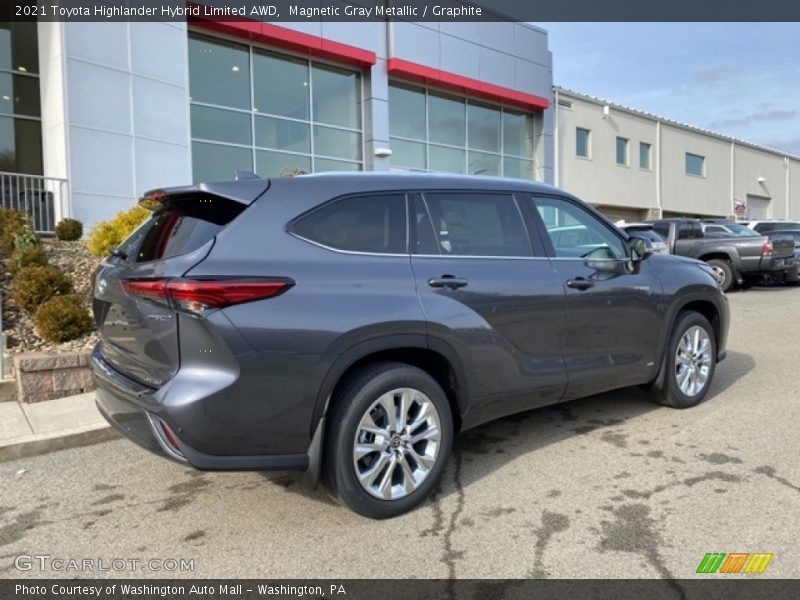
[(288, 39), (409, 71)]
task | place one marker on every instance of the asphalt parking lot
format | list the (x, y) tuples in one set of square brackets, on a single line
[(608, 486)]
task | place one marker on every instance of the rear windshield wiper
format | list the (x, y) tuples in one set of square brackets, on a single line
[(119, 253)]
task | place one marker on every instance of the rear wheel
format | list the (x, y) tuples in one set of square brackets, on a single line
[(390, 435), (723, 271), (689, 363)]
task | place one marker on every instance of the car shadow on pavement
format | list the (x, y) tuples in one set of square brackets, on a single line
[(768, 288), (487, 448), (735, 366)]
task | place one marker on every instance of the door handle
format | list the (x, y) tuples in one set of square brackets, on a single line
[(580, 283), (451, 282)]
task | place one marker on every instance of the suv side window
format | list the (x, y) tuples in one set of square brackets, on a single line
[(662, 229), (575, 232), (473, 224), (369, 223)]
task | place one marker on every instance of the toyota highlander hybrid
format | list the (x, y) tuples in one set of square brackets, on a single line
[(349, 325)]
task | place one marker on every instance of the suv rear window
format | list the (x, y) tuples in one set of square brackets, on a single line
[(181, 225), (370, 223)]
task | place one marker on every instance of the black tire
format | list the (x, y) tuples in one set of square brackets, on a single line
[(666, 390), (354, 400), (725, 272)]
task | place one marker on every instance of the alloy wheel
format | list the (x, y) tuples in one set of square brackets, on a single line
[(693, 361), (397, 443)]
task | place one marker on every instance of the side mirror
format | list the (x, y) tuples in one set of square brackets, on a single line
[(638, 249)]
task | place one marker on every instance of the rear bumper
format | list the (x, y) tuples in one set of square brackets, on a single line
[(771, 264), (792, 274), (133, 410)]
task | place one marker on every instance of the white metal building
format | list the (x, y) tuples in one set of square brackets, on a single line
[(635, 165)]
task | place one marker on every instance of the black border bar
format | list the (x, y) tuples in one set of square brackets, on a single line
[(276, 11), (711, 587)]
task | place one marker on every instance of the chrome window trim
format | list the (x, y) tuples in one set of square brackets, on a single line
[(353, 252), (409, 255)]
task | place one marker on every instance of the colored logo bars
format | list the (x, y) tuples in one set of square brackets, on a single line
[(735, 562)]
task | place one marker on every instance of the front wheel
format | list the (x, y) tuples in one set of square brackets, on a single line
[(390, 435), (689, 363)]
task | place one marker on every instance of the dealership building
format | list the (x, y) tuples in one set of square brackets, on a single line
[(92, 115), (106, 111)]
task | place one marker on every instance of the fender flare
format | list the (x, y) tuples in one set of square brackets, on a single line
[(350, 357), (364, 348), (731, 253), (672, 315)]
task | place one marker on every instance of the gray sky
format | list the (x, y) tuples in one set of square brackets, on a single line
[(741, 79)]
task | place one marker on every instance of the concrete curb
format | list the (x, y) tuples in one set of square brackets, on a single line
[(34, 445)]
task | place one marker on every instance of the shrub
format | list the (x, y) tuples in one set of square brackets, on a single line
[(25, 238), (12, 222), (69, 230), (107, 235), (36, 284), (61, 319), (20, 259), (27, 251)]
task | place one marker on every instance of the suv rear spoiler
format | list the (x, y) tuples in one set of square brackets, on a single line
[(242, 191)]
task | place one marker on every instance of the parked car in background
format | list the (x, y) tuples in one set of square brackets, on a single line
[(352, 324), (736, 257), (791, 275), (645, 231), (771, 225), (715, 229)]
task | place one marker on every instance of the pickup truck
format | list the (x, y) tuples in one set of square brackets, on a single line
[(736, 257)]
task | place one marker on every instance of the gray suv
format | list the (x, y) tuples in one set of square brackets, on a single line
[(349, 325)]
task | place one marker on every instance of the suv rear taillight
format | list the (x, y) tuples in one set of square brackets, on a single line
[(197, 296), (768, 248)]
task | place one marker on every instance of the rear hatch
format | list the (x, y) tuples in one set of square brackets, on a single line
[(140, 337)]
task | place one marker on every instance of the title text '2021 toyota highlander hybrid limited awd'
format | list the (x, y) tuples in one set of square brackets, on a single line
[(349, 325)]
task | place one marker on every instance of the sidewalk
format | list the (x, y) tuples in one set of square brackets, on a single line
[(31, 429)]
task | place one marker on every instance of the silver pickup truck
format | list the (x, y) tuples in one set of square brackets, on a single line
[(735, 252)]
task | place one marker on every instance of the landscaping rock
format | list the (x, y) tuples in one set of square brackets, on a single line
[(74, 260)]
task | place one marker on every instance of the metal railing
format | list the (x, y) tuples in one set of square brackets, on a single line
[(43, 199)]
